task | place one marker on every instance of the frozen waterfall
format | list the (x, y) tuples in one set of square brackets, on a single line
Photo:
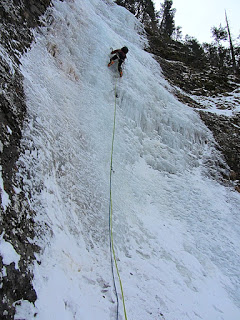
[(176, 228)]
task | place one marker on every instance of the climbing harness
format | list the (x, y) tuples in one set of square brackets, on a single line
[(112, 250)]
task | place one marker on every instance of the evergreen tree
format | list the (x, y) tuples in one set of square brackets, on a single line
[(177, 34), (211, 53), (196, 55), (219, 33), (167, 25), (143, 10), (220, 58), (231, 45), (128, 4), (237, 56)]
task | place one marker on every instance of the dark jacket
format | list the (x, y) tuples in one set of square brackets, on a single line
[(121, 55)]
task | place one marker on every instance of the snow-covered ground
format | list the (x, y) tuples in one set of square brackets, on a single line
[(176, 230), (227, 104)]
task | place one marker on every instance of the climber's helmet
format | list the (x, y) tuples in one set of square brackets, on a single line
[(125, 49)]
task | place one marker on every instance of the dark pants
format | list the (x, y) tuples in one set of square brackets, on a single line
[(119, 62)]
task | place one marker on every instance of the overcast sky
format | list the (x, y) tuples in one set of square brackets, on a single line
[(197, 17)]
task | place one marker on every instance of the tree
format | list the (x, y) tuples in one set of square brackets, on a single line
[(221, 53), (177, 34), (167, 25), (143, 10), (237, 56), (151, 14), (128, 4), (231, 45), (219, 33), (211, 53), (196, 54)]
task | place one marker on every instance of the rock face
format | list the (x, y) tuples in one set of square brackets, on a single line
[(197, 85), (17, 220), (226, 131), (204, 82)]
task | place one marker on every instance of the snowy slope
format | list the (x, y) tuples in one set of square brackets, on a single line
[(227, 104), (176, 230)]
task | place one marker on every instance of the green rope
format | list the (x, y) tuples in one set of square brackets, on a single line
[(110, 218)]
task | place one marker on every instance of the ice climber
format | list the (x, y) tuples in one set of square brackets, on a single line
[(121, 55)]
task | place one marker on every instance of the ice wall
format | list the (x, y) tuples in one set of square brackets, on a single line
[(173, 224)]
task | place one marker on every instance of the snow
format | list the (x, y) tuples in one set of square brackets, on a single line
[(9, 130), (8, 253), (4, 196), (176, 229), (1, 146), (227, 104)]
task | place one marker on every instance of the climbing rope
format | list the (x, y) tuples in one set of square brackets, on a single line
[(112, 250)]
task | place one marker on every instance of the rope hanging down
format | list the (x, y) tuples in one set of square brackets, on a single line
[(112, 250)]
